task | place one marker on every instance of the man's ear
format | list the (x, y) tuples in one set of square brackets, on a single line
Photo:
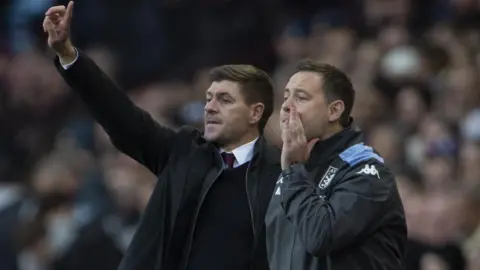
[(335, 110), (256, 112)]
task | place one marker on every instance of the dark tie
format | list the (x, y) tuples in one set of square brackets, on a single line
[(229, 159)]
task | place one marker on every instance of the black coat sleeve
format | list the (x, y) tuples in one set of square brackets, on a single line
[(354, 209), (131, 129)]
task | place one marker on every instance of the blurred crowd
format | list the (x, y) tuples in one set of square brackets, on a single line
[(69, 200)]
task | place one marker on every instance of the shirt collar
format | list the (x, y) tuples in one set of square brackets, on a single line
[(244, 153)]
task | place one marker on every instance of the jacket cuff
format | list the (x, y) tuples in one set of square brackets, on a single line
[(293, 169), (67, 66)]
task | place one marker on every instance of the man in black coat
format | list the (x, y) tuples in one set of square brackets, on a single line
[(336, 205), (208, 207)]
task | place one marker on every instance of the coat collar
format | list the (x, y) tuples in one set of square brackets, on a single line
[(328, 149), (263, 150), (267, 152)]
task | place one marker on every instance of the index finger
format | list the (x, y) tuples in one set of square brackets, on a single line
[(284, 132), (295, 119), (56, 9), (69, 12)]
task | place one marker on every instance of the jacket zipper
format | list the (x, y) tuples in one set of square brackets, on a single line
[(248, 199), (194, 222)]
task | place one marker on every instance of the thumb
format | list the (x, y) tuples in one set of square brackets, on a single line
[(311, 144)]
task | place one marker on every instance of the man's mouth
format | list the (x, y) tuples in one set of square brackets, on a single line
[(212, 122)]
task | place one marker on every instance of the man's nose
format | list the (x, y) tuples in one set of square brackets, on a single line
[(286, 105), (211, 106)]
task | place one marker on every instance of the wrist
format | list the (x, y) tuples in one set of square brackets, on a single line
[(67, 54), (286, 164), (290, 169)]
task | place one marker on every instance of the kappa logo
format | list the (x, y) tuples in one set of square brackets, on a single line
[(279, 189), (370, 169), (280, 181), (328, 177)]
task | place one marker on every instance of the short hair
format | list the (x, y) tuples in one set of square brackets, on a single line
[(336, 85), (255, 84)]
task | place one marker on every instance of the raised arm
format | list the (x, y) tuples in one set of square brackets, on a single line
[(132, 130)]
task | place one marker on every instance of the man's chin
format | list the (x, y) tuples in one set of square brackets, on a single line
[(210, 136), (211, 132)]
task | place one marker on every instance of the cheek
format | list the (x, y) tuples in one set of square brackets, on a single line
[(235, 118), (312, 113)]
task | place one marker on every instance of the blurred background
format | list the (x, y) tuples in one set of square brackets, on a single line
[(68, 200)]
